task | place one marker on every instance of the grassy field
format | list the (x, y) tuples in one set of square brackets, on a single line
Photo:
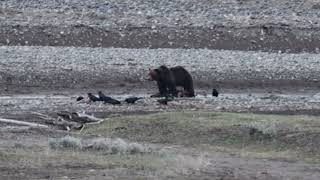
[(272, 136), (176, 145)]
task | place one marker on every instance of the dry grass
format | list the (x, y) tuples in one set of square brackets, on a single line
[(191, 140), (244, 134), (69, 158), (105, 145)]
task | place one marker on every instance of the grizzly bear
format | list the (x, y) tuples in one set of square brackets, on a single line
[(168, 79)]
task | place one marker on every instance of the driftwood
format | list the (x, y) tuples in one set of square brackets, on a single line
[(69, 120), (84, 125), (90, 118), (78, 117), (12, 121), (58, 122), (67, 125)]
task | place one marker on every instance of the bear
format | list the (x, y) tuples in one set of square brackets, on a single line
[(169, 78)]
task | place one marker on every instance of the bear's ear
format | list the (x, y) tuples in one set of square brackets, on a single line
[(157, 71)]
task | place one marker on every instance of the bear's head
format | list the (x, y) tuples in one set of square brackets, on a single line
[(154, 74)]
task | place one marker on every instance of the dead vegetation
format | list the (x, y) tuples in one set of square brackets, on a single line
[(270, 136), (64, 121), (82, 158), (177, 145), (104, 145)]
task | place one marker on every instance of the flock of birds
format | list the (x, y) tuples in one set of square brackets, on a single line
[(130, 100), (108, 99)]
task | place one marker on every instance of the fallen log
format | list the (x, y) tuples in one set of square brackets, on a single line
[(59, 123), (23, 123), (78, 117), (67, 125), (89, 118), (93, 123), (68, 120)]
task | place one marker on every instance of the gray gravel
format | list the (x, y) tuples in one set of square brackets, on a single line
[(269, 25), (110, 67), (304, 102), (204, 13), (122, 72)]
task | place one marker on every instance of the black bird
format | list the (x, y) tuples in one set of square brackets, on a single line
[(93, 98), (112, 101), (107, 99), (253, 131), (215, 92), (103, 97), (165, 100), (79, 98), (132, 100)]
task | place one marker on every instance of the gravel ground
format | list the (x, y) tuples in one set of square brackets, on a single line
[(48, 67), (269, 25), (23, 106), (204, 13)]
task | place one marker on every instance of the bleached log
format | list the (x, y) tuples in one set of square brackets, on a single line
[(92, 123), (43, 116), (78, 117), (12, 121), (59, 122), (69, 120), (90, 117)]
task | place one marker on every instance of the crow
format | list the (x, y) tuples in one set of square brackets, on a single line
[(79, 98), (103, 97), (107, 99), (215, 92), (93, 98), (132, 100), (112, 101)]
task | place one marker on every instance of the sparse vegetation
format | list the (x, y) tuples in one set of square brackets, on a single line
[(105, 145), (186, 145), (245, 134), (102, 157), (66, 142)]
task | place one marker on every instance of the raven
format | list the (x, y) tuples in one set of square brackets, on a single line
[(79, 98), (93, 98), (132, 100), (107, 99), (215, 93)]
